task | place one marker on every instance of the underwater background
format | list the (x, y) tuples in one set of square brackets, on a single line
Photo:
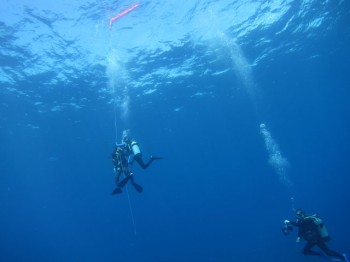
[(247, 101)]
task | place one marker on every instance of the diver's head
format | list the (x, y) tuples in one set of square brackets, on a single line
[(126, 138), (300, 214)]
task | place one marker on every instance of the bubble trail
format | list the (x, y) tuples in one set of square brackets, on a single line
[(279, 163)]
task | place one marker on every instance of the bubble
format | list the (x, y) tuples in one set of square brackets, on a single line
[(117, 77), (279, 163)]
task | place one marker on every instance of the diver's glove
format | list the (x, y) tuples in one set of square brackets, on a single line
[(298, 239), (286, 222)]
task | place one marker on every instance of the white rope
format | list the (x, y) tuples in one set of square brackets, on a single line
[(127, 190), (131, 212)]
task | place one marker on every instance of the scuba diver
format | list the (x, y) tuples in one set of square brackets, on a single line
[(121, 166), (134, 151), (123, 155), (312, 229)]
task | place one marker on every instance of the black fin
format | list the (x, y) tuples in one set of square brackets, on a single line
[(137, 187), (124, 181), (156, 157), (118, 190)]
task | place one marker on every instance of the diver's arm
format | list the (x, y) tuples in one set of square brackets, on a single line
[(296, 224), (131, 159)]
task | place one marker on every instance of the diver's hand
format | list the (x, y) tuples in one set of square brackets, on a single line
[(298, 239), (286, 222)]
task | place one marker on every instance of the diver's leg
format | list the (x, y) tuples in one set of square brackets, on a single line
[(330, 252), (136, 186), (139, 160), (142, 164), (127, 175), (117, 174), (117, 190), (307, 250)]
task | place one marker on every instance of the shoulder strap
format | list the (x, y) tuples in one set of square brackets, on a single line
[(315, 219)]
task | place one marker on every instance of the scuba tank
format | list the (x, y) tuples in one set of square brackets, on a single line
[(135, 148), (322, 230)]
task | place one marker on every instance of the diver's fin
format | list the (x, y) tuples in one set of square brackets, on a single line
[(124, 181), (118, 190), (346, 257), (334, 259), (137, 187), (156, 157)]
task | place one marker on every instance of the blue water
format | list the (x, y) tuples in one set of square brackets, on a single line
[(248, 101)]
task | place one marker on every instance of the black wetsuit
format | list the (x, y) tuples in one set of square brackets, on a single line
[(137, 157), (122, 157), (120, 162), (309, 230), (121, 166), (139, 160)]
